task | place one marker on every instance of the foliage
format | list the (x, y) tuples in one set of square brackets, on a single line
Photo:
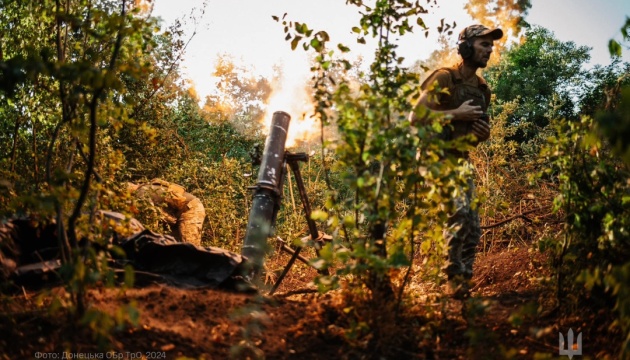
[(155, 96), (545, 101), (603, 87), (94, 103), (503, 185), (615, 125), (594, 199), (214, 166), (390, 166), (544, 75), (67, 70), (91, 97), (615, 46), (202, 150), (534, 83)]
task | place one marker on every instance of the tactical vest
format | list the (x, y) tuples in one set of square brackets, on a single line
[(461, 92)]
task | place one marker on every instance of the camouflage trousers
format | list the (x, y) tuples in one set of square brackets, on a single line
[(462, 234), (190, 222)]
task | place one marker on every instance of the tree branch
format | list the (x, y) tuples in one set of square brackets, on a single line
[(511, 218), (161, 85), (93, 127)]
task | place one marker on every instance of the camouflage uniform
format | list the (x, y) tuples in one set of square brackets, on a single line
[(182, 211), (463, 228)]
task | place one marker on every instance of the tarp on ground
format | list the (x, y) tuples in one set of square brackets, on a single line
[(29, 253)]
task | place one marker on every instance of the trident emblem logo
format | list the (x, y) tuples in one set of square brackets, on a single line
[(571, 348)]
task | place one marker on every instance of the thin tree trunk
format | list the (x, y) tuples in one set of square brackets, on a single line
[(35, 165), (15, 141), (65, 117), (89, 171)]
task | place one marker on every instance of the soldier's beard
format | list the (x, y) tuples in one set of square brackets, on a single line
[(476, 63)]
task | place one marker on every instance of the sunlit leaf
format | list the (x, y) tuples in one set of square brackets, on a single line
[(614, 48), (343, 48), (319, 215), (295, 42), (316, 44)]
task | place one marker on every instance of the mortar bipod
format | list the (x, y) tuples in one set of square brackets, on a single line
[(315, 236)]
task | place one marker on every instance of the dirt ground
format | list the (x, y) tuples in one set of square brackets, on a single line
[(512, 314)]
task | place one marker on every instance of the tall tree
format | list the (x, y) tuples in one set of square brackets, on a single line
[(507, 14), (544, 76), (63, 68)]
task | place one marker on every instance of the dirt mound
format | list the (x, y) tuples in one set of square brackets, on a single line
[(514, 270)]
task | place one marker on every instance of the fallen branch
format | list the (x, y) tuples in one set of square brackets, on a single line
[(297, 292), (521, 215)]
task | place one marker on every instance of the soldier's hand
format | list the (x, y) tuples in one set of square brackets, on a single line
[(481, 130), (467, 112)]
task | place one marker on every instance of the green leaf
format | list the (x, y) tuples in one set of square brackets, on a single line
[(625, 28), (295, 42), (437, 127), (348, 221), (319, 215), (614, 48), (316, 44), (343, 48)]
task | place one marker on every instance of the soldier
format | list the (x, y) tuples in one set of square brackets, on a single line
[(182, 211), (466, 104)]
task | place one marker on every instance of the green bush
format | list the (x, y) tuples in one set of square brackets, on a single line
[(591, 255)]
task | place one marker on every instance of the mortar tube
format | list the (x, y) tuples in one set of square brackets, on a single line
[(266, 199)]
